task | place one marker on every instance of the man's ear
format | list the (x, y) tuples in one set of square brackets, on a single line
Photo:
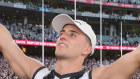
[(87, 50)]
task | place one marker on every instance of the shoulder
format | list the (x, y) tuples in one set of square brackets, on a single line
[(40, 73)]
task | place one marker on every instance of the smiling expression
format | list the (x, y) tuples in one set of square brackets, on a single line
[(71, 43)]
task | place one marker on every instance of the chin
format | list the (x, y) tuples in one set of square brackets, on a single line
[(60, 55)]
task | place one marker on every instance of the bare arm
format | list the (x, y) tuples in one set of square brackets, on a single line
[(123, 68), (22, 65)]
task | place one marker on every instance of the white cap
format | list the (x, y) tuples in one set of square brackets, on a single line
[(62, 19)]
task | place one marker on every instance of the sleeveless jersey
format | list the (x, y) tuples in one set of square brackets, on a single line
[(44, 73)]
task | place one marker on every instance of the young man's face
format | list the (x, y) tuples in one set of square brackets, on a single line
[(71, 43)]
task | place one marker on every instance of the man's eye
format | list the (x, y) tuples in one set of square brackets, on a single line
[(73, 35)]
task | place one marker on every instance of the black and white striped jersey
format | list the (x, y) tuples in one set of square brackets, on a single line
[(44, 73)]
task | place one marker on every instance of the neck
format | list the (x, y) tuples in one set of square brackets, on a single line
[(64, 66)]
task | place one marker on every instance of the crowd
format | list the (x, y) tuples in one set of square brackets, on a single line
[(116, 41), (31, 32), (62, 8), (7, 73), (34, 33), (124, 1), (116, 1)]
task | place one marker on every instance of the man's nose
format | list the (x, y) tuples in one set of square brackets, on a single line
[(64, 36)]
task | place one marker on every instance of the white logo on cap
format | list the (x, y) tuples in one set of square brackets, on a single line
[(80, 22)]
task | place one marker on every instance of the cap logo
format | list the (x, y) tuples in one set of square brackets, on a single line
[(80, 22)]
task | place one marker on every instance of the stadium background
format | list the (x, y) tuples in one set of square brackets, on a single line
[(23, 18)]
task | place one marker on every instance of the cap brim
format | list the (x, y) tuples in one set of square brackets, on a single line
[(60, 20)]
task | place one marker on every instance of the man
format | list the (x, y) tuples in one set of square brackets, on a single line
[(77, 40)]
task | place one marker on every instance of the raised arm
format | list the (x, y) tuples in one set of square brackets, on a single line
[(22, 65), (123, 68)]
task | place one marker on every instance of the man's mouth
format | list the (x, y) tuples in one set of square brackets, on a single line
[(63, 45)]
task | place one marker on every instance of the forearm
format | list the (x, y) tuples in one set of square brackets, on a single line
[(124, 67), (131, 64), (137, 52), (8, 48), (14, 57), (21, 64)]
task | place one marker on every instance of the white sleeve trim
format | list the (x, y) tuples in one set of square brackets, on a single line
[(41, 73)]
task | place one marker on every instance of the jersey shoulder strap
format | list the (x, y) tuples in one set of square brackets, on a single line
[(90, 74), (87, 75), (40, 73)]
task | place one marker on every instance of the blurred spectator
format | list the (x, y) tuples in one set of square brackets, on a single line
[(34, 33), (7, 72), (1, 21)]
